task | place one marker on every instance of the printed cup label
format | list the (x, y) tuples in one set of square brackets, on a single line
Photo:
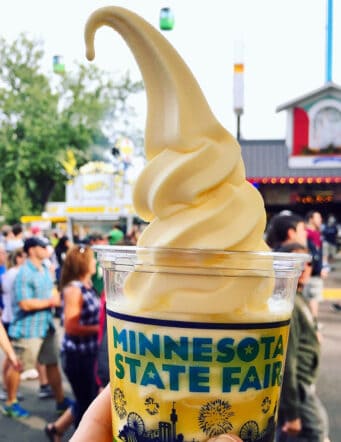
[(174, 381)]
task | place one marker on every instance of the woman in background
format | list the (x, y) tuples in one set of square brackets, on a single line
[(61, 249), (15, 260), (79, 345)]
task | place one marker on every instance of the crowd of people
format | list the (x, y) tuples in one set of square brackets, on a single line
[(45, 283), (51, 283), (302, 416)]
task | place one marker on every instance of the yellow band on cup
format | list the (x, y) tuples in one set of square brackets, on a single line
[(176, 381)]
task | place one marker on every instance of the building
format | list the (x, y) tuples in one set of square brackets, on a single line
[(303, 171)]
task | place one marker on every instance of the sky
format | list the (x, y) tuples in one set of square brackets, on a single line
[(283, 48)]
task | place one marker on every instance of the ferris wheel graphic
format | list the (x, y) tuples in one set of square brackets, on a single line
[(135, 422), (249, 431)]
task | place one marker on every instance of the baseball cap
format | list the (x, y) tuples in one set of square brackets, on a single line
[(33, 242), (35, 230)]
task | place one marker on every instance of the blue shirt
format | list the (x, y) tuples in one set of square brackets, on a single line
[(31, 283)]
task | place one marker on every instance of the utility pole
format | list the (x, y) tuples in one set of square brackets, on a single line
[(329, 42), (238, 85)]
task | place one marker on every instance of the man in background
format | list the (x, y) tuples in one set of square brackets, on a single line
[(313, 290), (3, 257), (329, 233), (32, 330), (97, 239), (116, 235)]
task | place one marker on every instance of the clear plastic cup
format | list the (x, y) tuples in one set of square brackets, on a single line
[(197, 341)]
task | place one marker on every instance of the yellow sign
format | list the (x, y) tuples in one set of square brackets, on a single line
[(87, 209), (95, 186)]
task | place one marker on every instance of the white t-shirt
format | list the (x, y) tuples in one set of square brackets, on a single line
[(8, 279), (13, 244)]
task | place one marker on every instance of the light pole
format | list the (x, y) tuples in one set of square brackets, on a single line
[(238, 85)]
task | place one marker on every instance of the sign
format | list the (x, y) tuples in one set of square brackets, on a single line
[(315, 161)]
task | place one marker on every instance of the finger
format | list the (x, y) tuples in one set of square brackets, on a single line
[(96, 423), (225, 438)]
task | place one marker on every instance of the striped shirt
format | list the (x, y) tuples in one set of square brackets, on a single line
[(31, 283), (89, 316)]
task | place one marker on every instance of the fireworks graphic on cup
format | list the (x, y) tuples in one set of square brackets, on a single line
[(120, 403), (214, 417)]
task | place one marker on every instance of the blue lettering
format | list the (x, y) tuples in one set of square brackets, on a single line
[(174, 372), (153, 346), (279, 347), (266, 375), (225, 347), (179, 347), (200, 347), (151, 376), (229, 379), (197, 378), (133, 363), (248, 349), (251, 380), (120, 338), (132, 341), (120, 369), (276, 373), (267, 340)]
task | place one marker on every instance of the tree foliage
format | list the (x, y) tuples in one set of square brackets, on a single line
[(42, 117)]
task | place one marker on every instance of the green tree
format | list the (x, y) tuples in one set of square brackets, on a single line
[(42, 117)]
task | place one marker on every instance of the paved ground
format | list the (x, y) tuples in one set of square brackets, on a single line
[(329, 385), (32, 428)]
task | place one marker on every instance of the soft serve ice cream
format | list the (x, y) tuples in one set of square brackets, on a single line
[(167, 332), (193, 189)]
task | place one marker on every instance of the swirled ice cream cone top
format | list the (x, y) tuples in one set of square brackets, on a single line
[(193, 190)]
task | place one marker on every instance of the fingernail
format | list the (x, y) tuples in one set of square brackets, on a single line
[(224, 438)]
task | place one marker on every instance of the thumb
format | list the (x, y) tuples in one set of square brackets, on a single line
[(225, 438)]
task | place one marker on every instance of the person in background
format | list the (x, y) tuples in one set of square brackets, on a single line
[(45, 390), (301, 416), (115, 235), (5, 234), (16, 241), (6, 346), (102, 363), (79, 345), (329, 234), (284, 229), (36, 231), (133, 235), (32, 330), (15, 260), (54, 238), (313, 290), (3, 259), (61, 249), (97, 239)]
